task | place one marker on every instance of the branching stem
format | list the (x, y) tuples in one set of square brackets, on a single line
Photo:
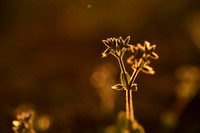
[(123, 70), (133, 77), (129, 95)]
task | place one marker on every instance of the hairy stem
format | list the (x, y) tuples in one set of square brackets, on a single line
[(123, 70), (133, 77), (127, 104), (122, 67), (131, 106)]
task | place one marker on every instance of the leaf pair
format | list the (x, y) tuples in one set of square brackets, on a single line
[(125, 81)]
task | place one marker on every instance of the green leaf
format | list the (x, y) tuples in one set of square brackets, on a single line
[(123, 78), (133, 87), (118, 87)]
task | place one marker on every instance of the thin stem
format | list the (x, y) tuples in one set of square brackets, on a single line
[(133, 77), (123, 70), (131, 106), (127, 104), (135, 73), (121, 63)]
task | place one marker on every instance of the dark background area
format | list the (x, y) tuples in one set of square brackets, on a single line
[(50, 62)]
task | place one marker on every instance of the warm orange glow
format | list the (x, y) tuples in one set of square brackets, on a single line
[(15, 123), (43, 122), (194, 28), (102, 79)]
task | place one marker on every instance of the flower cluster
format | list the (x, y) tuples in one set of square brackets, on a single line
[(116, 46), (139, 59), (23, 124), (141, 56)]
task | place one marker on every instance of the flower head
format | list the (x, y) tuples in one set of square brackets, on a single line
[(150, 51), (141, 56), (115, 46)]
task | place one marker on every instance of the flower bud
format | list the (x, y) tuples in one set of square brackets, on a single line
[(118, 87)]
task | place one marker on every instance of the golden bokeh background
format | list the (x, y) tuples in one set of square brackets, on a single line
[(50, 62)]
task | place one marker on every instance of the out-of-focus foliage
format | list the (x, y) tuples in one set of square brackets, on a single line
[(50, 49), (24, 123), (122, 124), (187, 89)]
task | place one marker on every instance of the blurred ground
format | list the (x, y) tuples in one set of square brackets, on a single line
[(50, 49)]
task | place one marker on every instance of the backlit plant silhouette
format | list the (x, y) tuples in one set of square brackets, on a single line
[(139, 61), (23, 124)]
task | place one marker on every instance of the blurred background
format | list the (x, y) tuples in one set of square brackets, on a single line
[(50, 62)]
